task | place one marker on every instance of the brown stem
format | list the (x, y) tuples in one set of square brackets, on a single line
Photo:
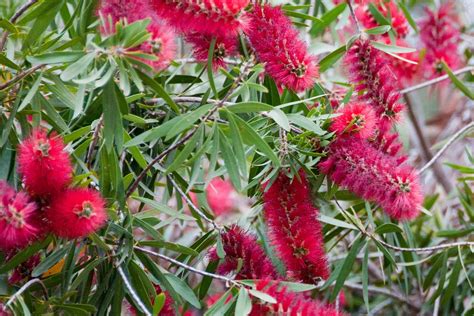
[(15, 17), (20, 76), (425, 148)]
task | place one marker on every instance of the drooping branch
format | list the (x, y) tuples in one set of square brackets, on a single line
[(372, 236), (24, 288), (14, 18), (446, 145), (20, 76), (436, 80)]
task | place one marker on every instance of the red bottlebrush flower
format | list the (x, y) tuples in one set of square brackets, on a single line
[(161, 44), (240, 245), (389, 143), (18, 219), (439, 32), (44, 164), (387, 9), (207, 17), (403, 70), (225, 46), (356, 165), (294, 229), (375, 80), (277, 44), (220, 196), (355, 119), (24, 270), (289, 303), (76, 213)]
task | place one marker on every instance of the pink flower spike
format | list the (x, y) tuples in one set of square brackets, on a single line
[(439, 32), (76, 213), (375, 81), (294, 229), (225, 46), (354, 164), (44, 164), (206, 17), (242, 246), (18, 219), (277, 44), (221, 196), (355, 119)]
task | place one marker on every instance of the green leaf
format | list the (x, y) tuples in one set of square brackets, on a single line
[(7, 62), (253, 138), (453, 283), (327, 19), (183, 289), (392, 48), (347, 267), (158, 88), (244, 304), (113, 130), (332, 58), (24, 255), (458, 83), (249, 107), (187, 120), (378, 30), (335, 222), (230, 161), (237, 143), (408, 16), (163, 208), (306, 123), (50, 261), (388, 228), (77, 67), (56, 57), (210, 59), (263, 296), (280, 118)]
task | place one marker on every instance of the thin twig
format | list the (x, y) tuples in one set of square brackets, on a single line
[(95, 139), (187, 267), (192, 205), (354, 16), (194, 61), (13, 19), (436, 80), (445, 147), (24, 288), (425, 148), (376, 290), (134, 294), (426, 249), (20, 76)]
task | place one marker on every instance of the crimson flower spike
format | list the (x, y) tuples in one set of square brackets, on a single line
[(207, 17), (277, 44), (355, 164), (242, 246), (294, 229), (439, 32), (374, 79)]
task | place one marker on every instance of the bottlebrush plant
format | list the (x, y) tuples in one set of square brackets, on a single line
[(217, 157)]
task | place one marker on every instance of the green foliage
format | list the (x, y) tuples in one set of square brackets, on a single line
[(150, 141)]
